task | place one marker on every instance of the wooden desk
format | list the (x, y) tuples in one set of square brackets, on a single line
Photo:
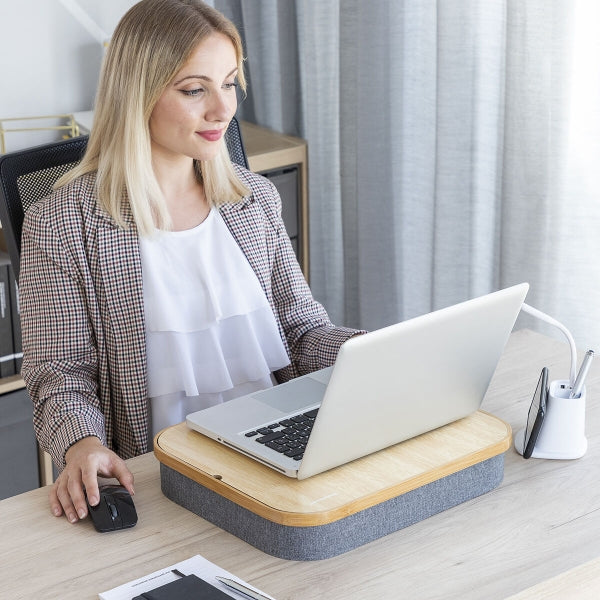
[(540, 523)]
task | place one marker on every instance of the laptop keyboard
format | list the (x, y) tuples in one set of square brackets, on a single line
[(288, 437)]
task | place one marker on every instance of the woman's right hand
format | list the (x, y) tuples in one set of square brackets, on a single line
[(85, 460)]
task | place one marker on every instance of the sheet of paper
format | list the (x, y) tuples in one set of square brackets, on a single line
[(197, 565)]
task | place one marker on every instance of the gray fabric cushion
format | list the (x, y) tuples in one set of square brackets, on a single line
[(337, 537)]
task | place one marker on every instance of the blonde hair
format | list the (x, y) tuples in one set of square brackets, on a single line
[(151, 43)]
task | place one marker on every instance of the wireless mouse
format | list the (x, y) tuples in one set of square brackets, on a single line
[(114, 511)]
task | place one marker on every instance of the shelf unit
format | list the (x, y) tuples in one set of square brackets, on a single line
[(13, 382), (284, 160)]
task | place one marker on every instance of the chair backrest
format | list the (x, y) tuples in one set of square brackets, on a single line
[(235, 144), (28, 175)]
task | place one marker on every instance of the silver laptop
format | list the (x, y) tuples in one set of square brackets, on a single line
[(385, 387)]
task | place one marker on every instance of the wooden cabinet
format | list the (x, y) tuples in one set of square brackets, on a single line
[(283, 159), (16, 416), (18, 449)]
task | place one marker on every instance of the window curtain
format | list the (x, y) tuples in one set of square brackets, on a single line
[(452, 148)]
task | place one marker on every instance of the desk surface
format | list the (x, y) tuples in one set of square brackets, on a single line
[(540, 523)]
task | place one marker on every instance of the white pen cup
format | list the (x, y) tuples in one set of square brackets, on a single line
[(562, 435)]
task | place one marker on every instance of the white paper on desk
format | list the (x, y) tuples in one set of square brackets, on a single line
[(197, 565)]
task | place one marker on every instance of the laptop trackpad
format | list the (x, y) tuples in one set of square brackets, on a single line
[(305, 391)]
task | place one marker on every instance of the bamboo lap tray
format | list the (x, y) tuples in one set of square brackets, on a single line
[(343, 508)]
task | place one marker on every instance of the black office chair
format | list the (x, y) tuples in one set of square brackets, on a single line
[(28, 175), (235, 144)]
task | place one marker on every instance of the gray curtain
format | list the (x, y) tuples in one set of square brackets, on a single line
[(446, 149)]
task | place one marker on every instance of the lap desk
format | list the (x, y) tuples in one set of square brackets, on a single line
[(343, 508)]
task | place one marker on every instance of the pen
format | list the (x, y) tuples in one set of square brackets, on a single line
[(583, 370), (242, 589)]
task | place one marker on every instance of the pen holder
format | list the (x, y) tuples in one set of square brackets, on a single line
[(562, 435)]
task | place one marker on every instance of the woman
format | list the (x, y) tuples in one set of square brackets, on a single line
[(158, 278)]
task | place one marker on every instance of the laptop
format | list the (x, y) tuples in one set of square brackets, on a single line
[(385, 387)]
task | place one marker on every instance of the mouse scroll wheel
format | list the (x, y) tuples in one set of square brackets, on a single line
[(113, 511)]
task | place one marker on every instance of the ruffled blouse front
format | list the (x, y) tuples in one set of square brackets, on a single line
[(210, 332)]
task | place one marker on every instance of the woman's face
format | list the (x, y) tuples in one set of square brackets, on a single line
[(192, 114)]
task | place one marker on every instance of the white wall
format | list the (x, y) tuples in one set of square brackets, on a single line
[(49, 59)]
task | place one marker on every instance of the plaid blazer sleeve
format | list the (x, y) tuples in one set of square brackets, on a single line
[(60, 367), (84, 359), (312, 340)]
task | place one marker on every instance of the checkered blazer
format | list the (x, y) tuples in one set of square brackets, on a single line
[(84, 345)]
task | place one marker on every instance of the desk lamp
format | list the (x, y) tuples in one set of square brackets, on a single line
[(562, 432)]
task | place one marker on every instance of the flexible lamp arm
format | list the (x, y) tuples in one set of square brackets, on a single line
[(544, 317)]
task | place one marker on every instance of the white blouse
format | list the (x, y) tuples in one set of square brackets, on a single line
[(210, 332)]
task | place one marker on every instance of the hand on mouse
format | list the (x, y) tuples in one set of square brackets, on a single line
[(86, 459)]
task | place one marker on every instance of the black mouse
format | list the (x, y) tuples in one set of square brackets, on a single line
[(115, 509)]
